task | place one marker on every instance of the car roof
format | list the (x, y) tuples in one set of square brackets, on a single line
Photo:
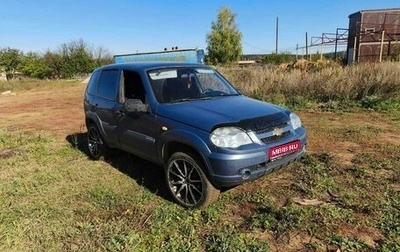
[(149, 65)]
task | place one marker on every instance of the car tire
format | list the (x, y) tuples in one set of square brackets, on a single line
[(187, 182), (96, 144)]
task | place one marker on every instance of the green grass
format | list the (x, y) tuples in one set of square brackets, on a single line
[(54, 198), (29, 84)]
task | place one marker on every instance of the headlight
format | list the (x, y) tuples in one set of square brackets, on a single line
[(230, 137), (295, 121)]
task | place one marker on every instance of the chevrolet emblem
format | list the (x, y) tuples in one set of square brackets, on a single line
[(277, 132)]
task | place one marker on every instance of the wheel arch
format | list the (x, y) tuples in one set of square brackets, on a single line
[(92, 118), (189, 144), (172, 147)]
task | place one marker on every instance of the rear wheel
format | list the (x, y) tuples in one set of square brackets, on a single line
[(187, 182), (97, 146)]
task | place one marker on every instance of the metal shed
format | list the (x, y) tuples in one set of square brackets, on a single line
[(374, 35)]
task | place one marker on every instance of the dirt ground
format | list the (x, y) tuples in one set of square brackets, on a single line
[(58, 111)]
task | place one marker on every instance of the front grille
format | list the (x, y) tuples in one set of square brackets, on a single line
[(268, 128), (274, 137)]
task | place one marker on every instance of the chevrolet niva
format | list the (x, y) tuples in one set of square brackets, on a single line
[(190, 120)]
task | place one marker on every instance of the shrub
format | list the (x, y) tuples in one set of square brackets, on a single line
[(275, 58)]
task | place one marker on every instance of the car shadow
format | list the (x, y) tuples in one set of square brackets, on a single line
[(143, 172)]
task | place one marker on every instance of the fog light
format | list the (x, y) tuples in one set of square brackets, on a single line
[(245, 173)]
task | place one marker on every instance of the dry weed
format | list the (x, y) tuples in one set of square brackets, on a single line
[(320, 81)]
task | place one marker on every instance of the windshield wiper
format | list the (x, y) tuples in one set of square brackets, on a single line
[(219, 95), (183, 100), (225, 94)]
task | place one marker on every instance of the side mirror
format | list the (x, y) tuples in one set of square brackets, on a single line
[(135, 105)]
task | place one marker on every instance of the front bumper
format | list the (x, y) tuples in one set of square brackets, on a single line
[(234, 169)]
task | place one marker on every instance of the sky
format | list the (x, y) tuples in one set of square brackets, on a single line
[(130, 26)]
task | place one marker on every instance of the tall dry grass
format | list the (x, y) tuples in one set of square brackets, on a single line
[(323, 83)]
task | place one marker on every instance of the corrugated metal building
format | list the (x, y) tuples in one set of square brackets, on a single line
[(374, 35)]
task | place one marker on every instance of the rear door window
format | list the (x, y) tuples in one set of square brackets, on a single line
[(108, 85), (94, 80)]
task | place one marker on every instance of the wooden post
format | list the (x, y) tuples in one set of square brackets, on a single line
[(354, 49), (381, 51), (321, 49)]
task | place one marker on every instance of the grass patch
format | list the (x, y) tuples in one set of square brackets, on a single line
[(29, 84), (54, 198)]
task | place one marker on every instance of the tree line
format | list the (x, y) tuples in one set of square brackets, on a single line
[(71, 59), (224, 47)]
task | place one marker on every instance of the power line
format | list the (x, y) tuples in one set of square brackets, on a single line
[(256, 47)]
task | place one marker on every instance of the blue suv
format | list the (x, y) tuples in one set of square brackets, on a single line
[(190, 120)]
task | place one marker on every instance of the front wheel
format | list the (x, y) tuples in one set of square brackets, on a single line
[(187, 182)]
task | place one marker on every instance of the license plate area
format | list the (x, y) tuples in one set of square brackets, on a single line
[(284, 149)]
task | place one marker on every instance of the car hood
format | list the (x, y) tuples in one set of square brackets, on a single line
[(239, 110)]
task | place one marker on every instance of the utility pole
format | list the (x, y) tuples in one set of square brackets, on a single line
[(276, 35), (336, 42), (322, 44)]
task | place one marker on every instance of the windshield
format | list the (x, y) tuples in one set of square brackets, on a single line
[(188, 83)]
